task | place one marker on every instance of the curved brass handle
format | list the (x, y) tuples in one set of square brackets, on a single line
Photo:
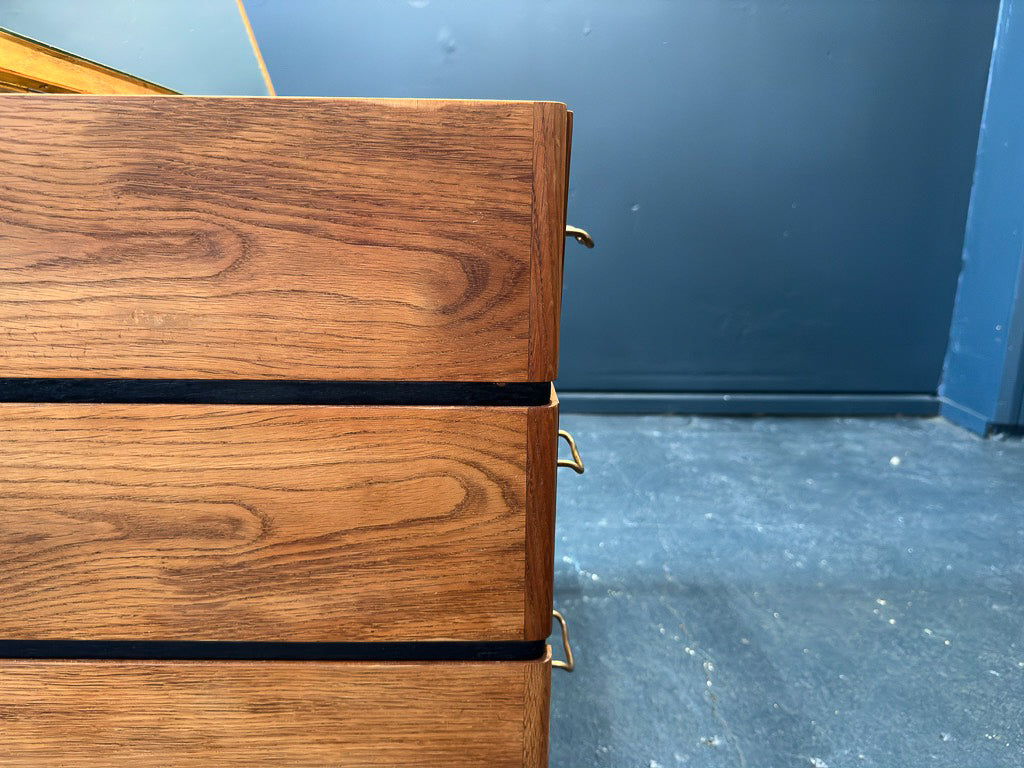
[(576, 464), (581, 235), (569, 664)]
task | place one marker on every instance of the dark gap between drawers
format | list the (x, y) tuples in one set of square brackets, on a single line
[(245, 651), (272, 392)]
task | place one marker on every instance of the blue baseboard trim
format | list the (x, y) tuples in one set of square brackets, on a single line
[(744, 404), (963, 416)]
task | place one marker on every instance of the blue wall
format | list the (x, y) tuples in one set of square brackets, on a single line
[(983, 383), (778, 188)]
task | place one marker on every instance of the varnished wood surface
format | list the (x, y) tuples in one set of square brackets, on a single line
[(550, 159), (88, 714), (536, 724), (565, 208), (185, 237), (542, 466), (29, 65), (286, 523)]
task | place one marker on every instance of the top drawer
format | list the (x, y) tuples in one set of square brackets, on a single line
[(247, 238)]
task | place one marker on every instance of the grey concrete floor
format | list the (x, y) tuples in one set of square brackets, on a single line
[(790, 592)]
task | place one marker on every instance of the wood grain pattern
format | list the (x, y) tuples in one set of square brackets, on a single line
[(541, 467), (288, 523), (172, 714), (207, 237), (548, 237)]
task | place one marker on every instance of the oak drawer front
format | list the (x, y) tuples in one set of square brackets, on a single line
[(81, 714), (276, 523), (246, 238)]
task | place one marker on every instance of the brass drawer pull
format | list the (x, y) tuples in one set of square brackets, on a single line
[(581, 235), (576, 463), (569, 664)]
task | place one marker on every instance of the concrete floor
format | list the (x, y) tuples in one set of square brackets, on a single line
[(762, 593)]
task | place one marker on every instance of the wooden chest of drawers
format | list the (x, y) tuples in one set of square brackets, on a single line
[(277, 435)]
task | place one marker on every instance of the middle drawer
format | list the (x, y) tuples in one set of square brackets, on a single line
[(276, 523)]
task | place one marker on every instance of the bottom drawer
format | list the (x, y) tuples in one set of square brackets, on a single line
[(81, 714)]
